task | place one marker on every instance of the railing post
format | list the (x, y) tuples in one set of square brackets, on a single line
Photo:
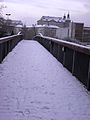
[(8, 46), (63, 49), (73, 64), (88, 82), (5, 48), (51, 47), (58, 52), (0, 53)]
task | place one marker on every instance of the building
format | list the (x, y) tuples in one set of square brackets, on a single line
[(7, 27), (57, 21), (46, 30), (18, 29), (66, 29), (86, 34), (76, 31), (62, 33), (51, 26)]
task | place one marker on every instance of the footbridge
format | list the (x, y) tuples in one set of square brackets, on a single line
[(44, 79)]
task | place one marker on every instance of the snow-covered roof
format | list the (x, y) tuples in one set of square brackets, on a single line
[(49, 26), (52, 26), (18, 25), (28, 26), (49, 18), (39, 26)]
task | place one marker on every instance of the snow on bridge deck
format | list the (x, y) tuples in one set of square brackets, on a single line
[(35, 86)]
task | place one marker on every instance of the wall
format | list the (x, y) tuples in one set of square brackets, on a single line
[(62, 33), (76, 31), (47, 31)]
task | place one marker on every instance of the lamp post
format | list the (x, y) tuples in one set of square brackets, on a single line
[(8, 25), (34, 28), (8, 14)]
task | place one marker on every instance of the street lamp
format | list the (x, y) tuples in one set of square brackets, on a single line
[(8, 14), (34, 27)]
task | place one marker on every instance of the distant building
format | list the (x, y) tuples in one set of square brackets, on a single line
[(50, 26), (86, 34), (7, 27), (66, 28), (46, 30), (76, 31), (62, 33), (18, 29), (57, 21)]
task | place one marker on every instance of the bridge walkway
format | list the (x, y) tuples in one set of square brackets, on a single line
[(35, 86)]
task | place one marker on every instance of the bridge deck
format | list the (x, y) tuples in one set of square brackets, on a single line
[(35, 86)]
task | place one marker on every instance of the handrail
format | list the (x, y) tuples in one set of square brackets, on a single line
[(73, 56), (7, 44), (71, 45), (5, 39)]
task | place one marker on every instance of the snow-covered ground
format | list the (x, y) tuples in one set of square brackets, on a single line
[(35, 86)]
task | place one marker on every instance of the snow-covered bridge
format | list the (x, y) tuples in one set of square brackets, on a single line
[(35, 86)]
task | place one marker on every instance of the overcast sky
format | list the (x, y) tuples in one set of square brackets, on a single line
[(29, 11)]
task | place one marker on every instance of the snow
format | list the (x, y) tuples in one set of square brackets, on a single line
[(19, 26), (88, 46), (49, 18), (52, 26), (49, 26), (35, 86), (42, 26)]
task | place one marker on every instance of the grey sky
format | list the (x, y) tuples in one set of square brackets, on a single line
[(31, 10)]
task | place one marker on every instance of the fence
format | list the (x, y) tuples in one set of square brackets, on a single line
[(75, 57), (7, 44)]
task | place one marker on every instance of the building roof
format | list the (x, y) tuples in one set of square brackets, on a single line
[(19, 26), (49, 26), (49, 18), (86, 28)]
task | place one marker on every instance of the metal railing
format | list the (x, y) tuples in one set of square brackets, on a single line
[(75, 57), (7, 44)]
